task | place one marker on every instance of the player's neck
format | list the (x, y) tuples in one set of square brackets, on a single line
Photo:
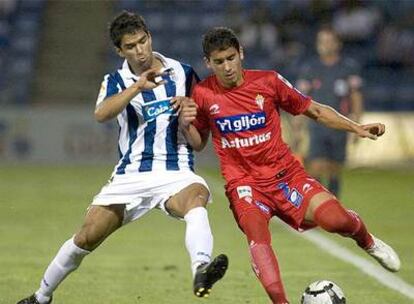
[(229, 86), (330, 59), (155, 64)]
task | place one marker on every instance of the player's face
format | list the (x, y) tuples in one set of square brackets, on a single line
[(227, 66), (327, 43), (136, 48)]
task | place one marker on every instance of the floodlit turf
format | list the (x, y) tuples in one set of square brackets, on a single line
[(146, 262)]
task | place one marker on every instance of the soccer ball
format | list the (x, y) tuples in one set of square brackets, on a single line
[(323, 292)]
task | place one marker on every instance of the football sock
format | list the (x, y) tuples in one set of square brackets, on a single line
[(263, 259), (67, 260), (332, 217), (333, 185), (198, 237), (266, 267)]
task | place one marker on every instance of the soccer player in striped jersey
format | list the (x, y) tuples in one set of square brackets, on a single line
[(155, 169), (241, 109)]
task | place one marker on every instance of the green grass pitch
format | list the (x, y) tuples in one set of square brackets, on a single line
[(146, 262)]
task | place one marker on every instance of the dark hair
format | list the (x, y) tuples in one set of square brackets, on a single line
[(219, 38), (126, 23)]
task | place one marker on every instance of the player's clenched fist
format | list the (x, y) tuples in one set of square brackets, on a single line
[(186, 109), (372, 131)]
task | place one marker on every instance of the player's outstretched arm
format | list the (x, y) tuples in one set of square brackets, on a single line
[(187, 111), (115, 104), (332, 119)]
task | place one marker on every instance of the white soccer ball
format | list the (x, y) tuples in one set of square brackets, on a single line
[(323, 292)]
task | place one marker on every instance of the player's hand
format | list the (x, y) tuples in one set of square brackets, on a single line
[(176, 102), (372, 131), (150, 79), (186, 109)]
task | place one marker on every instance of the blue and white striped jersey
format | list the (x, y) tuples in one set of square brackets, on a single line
[(149, 137)]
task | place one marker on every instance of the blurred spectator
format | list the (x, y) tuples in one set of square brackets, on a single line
[(6, 7), (236, 15), (395, 44), (259, 32), (355, 22)]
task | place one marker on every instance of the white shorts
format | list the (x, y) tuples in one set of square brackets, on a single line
[(142, 192)]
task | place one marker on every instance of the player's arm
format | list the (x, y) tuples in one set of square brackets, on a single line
[(332, 119), (115, 104), (187, 111), (356, 98), (196, 139)]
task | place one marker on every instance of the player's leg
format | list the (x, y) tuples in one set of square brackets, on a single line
[(334, 177), (318, 168), (190, 204), (317, 159), (255, 225), (99, 223), (327, 212), (336, 155)]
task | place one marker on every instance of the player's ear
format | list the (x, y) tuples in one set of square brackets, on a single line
[(207, 62), (241, 51), (119, 52)]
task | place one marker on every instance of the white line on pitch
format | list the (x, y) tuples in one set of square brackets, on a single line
[(378, 273)]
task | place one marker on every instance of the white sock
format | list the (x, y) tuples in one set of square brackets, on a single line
[(198, 237), (67, 260)]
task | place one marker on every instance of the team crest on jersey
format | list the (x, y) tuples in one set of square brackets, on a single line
[(260, 101)]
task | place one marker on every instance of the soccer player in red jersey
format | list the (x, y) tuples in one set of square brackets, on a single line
[(241, 108)]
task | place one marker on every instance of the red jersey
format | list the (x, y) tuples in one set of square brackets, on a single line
[(245, 123)]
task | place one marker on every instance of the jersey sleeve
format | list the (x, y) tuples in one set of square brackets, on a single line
[(201, 122), (108, 88), (289, 98)]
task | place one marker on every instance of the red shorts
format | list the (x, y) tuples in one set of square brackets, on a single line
[(286, 196)]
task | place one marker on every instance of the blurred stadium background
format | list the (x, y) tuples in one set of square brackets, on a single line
[(53, 55)]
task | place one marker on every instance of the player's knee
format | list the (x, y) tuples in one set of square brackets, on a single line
[(255, 227), (333, 226), (198, 197), (88, 238), (201, 194), (333, 218)]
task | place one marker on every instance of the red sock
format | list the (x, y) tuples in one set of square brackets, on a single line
[(264, 264), (263, 259), (332, 217)]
